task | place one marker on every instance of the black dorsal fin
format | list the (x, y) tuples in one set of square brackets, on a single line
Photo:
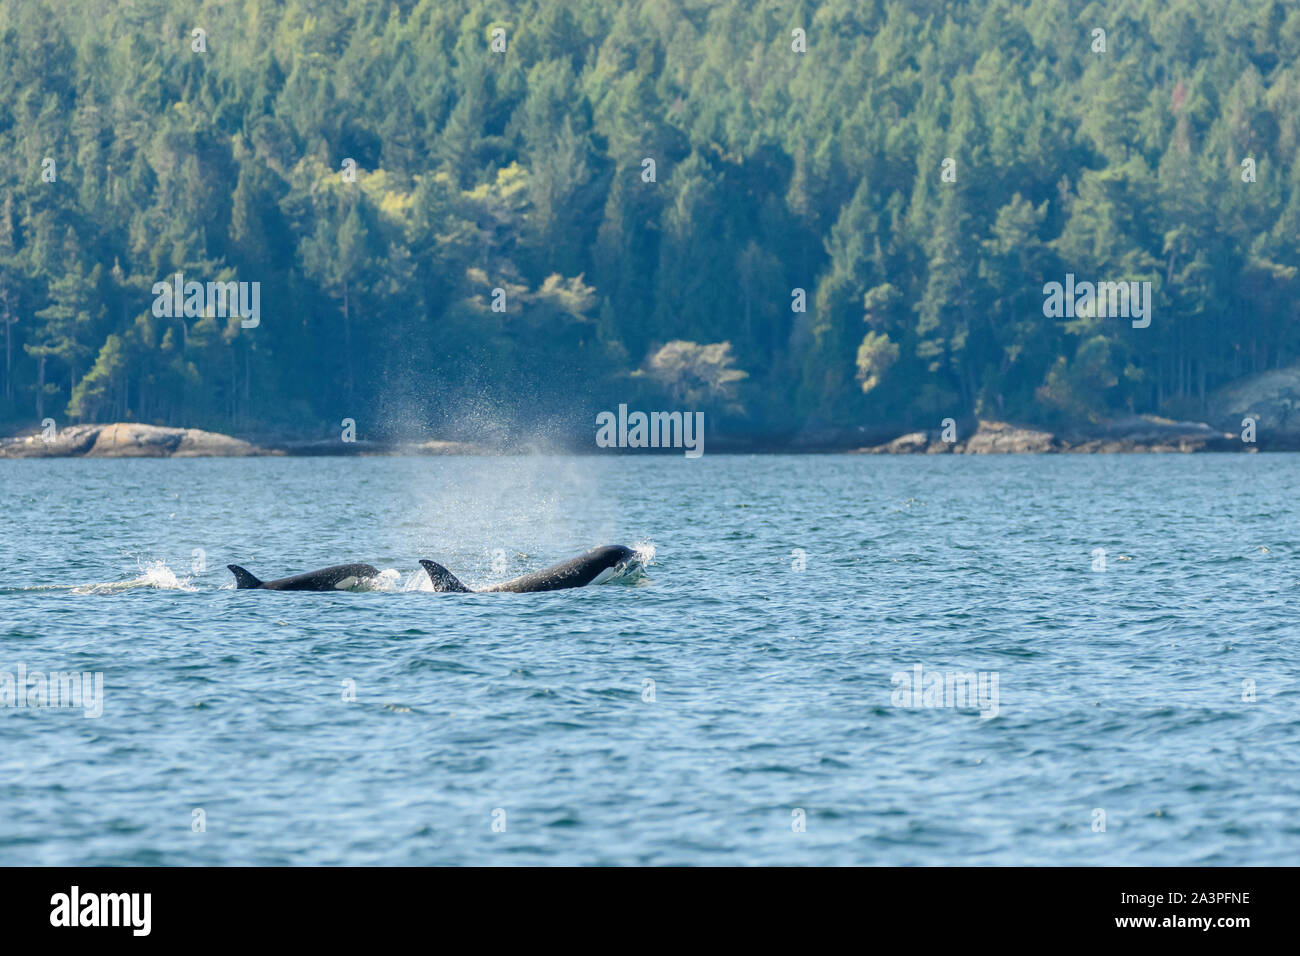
[(243, 579), (443, 580)]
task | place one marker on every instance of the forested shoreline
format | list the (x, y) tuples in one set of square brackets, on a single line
[(793, 216)]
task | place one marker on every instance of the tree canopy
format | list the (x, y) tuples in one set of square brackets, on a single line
[(795, 214)]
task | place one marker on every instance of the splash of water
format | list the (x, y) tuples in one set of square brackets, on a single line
[(634, 572), (153, 574), (389, 579), (645, 552)]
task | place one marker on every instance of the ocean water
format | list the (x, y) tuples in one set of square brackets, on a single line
[(743, 703)]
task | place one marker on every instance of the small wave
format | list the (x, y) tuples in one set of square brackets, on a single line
[(153, 574)]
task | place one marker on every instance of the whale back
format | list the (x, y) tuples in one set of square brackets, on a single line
[(337, 577), (585, 569)]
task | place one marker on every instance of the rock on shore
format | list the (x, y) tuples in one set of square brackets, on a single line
[(133, 440), (1143, 433), (1271, 398), (128, 440)]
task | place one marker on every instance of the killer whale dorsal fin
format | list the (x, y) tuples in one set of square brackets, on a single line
[(443, 580), (244, 580)]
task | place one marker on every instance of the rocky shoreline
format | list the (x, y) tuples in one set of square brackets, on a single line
[(1142, 434), (1139, 434), (133, 440), (126, 440)]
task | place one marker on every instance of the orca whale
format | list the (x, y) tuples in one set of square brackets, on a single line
[(594, 567), (339, 577)]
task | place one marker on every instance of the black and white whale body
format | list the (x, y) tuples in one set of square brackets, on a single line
[(338, 577), (595, 567)]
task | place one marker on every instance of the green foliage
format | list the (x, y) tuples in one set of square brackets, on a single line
[(876, 355), (523, 172), (701, 376)]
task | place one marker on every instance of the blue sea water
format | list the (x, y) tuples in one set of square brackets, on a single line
[(728, 708)]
